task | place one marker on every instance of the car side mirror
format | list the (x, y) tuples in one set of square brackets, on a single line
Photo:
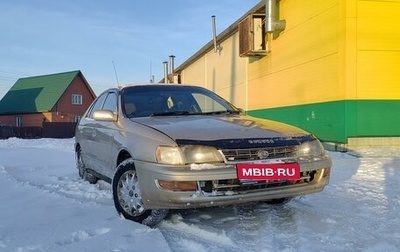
[(104, 115), (242, 111)]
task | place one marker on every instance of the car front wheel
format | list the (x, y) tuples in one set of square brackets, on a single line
[(128, 198)]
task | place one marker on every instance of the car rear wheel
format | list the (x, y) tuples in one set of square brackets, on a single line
[(83, 173), (128, 198)]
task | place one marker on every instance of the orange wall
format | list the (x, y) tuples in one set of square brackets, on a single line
[(7, 120), (64, 110), (77, 87), (28, 120)]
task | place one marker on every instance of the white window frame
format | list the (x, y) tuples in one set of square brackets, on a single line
[(77, 99), (77, 118)]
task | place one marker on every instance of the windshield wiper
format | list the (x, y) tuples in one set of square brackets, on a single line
[(184, 112), (222, 112), (171, 113)]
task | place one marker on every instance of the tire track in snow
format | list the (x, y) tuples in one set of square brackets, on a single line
[(69, 186), (198, 237), (82, 235)]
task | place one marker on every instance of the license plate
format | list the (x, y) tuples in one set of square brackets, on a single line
[(262, 171)]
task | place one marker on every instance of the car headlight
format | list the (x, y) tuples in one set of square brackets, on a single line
[(310, 149), (169, 155), (188, 154), (196, 154)]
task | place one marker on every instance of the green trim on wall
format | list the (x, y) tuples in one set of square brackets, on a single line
[(336, 121)]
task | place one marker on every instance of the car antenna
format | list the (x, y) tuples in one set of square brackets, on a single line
[(115, 71)]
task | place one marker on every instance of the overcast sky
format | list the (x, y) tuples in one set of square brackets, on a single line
[(45, 36)]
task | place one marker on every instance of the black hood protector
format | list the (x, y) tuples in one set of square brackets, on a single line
[(248, 143)]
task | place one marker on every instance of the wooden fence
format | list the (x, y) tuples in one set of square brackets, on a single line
[(49, 130)]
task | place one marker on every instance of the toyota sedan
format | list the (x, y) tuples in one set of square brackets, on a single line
[(169, 146)]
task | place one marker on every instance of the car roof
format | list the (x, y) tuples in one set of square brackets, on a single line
[(157, 85), (151, 85)]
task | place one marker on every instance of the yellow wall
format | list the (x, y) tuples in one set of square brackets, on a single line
[(347, 37), (378, 49), (330, 50), (223, 72), (334, 71), (195, 73), (302, 66)]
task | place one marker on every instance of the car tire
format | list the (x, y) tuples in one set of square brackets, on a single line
[(83, 172), (128, 199), (280, 201)]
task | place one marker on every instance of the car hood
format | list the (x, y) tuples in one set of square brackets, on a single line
[(218, 129)]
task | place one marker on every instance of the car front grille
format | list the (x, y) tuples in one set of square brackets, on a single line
[(235, 155), (234, 186)]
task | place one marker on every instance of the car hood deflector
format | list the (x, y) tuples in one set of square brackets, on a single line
[(225, 131)]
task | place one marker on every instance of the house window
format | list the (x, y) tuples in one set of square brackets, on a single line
[(18, 121), (77, 118), (77, 99)]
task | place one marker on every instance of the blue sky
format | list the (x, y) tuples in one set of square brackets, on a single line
[(46, 36)]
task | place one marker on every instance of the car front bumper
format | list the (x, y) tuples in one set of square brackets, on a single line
[(226, 189)]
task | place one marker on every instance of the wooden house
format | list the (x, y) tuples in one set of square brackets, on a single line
[(60, 97)]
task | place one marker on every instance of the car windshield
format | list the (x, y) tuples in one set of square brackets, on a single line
[(171, 100)]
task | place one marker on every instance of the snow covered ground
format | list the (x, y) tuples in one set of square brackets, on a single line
[(45, 206)]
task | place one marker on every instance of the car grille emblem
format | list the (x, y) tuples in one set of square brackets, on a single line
[(262, 154)]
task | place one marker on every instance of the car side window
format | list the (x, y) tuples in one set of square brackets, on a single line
[(207, 104), (111, 102), (97, 105)]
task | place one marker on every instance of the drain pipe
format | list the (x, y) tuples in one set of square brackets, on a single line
[(272, 23)]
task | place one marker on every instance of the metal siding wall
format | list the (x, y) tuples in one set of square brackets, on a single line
[(375, 118), (227, 72), (325, 120), (303, 65), (338, 120), (332, 71), (223, 72), (336, 61), (378, 50), (195, 73)]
